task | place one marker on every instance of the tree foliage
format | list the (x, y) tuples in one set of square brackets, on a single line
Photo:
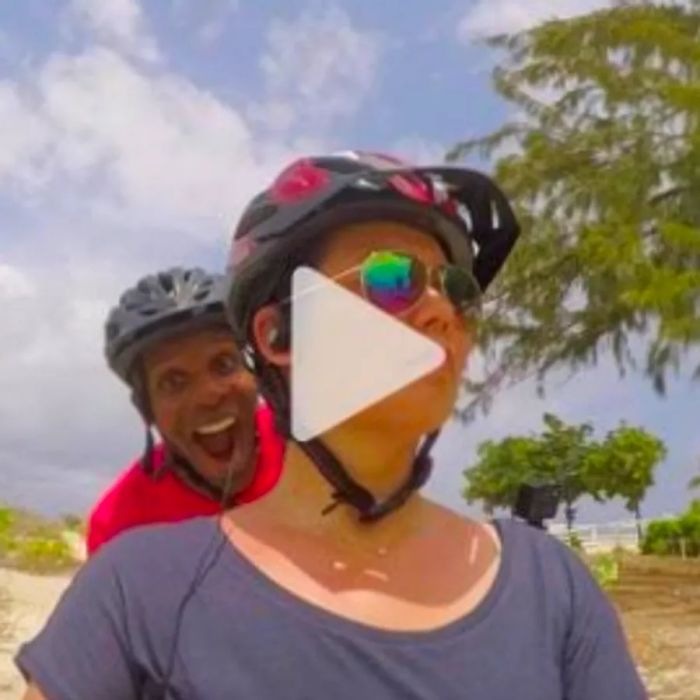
[(619, 466), (603, 162), (623, 465), (675, 536)]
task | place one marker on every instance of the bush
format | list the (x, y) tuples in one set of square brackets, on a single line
[(689, 526), (7, 518), (43, 554), (574, 541), (605, 568), (33, 543), (664, 537)]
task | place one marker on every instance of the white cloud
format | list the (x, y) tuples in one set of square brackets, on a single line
[(419, 151), (115, 168), (489, 17), (14, 284), (120, 24), (165, 147), (23, 137), (318, 67), (60, 410), (153, 149), (207, 18)]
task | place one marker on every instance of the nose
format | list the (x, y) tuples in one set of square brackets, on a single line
[(433, 316), (212, 390)]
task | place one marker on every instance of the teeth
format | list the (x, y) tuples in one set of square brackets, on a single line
[(217, 427)]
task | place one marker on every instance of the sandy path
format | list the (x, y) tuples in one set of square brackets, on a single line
[(32, 599)]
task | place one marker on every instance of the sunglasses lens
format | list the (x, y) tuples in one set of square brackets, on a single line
[(393, 281), (461, 289)]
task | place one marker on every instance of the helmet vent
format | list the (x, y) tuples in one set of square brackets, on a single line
[(112, 330), (466, 217), (166, 283), (495, 216)]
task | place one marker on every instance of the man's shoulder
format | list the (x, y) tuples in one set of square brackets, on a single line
[(130, 479), (118, 507), (161, 546)]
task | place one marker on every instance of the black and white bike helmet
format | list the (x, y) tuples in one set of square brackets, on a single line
[(161, 306)]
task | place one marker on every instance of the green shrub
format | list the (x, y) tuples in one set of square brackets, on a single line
[(33, 543), (663, 537), (689, 526), (43, 554), (574, 541), (7, 520), (605, 568)]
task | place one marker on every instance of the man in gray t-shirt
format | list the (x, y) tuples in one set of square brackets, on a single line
[(242, 636)]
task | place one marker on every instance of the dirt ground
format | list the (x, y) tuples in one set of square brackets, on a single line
[(659, 601), (25, 602)]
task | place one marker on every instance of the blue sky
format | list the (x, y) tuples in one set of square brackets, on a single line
[(132, 135)]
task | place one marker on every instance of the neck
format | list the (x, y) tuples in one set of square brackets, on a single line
[(380, 466)]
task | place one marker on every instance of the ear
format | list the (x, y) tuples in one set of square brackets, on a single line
[(271, 335)]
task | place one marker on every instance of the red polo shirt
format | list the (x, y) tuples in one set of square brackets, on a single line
[(137, 499)]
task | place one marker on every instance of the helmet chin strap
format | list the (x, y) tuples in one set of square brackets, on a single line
[(147, 457), (182, 466), (189, 473), (345, 488)]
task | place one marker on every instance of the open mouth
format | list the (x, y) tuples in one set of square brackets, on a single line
[(217, 439)]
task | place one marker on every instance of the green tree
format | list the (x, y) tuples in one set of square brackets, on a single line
[(500, 470), (603, 162), (623, 466), (677, 536), (557, 456), (619, 466)]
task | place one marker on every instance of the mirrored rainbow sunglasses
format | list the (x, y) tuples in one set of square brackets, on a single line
[(395, 282)]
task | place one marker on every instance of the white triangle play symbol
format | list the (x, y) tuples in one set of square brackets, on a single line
[(347, 354)]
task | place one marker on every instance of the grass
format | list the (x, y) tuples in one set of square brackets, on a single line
[(34, 544), (605, 567)]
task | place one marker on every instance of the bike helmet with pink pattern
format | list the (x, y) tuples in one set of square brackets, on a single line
[(463, 209)]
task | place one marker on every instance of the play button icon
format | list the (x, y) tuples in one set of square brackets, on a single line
[(347, 354)]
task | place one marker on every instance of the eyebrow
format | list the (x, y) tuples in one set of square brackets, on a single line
[(159, 373)]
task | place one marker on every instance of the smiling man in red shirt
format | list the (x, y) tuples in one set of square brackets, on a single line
[(168, 339)]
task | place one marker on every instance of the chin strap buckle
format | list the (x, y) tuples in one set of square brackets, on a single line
[(337, 499), (373, 510)]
